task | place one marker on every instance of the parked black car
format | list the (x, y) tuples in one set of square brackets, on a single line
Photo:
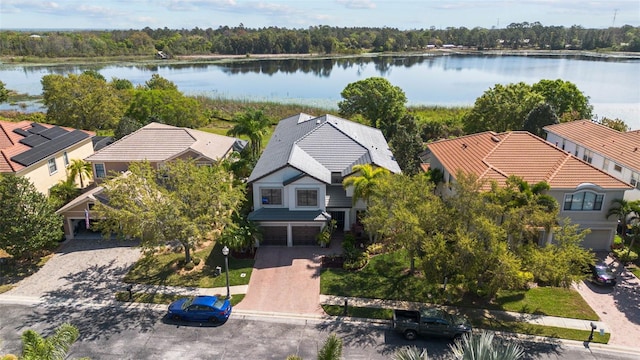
[(601, 274)]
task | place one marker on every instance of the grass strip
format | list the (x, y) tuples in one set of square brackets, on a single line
[(156, 298), (480, 323)]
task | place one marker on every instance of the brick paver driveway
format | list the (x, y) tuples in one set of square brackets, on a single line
[(286, 280), (618, 307), (81, 269)]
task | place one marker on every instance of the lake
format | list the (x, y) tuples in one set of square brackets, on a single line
[(613, 85)]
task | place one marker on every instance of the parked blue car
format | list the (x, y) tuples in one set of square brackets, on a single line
[(213, 309)]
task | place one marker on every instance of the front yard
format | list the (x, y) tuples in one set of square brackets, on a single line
[(165, 269), (385, 277)]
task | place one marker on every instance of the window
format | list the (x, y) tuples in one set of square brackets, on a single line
[(577, 151), (53, 168), (336, 178), (617, 168), (605, 164), (65, 158), (583, 201), (588, 156), (307, 197), (635, 180), (563, 144), (271, 196), (100, 173)]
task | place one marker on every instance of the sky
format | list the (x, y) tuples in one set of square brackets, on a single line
[(401, 14)]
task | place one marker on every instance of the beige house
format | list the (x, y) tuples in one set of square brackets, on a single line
[(41, 152), (616, 153), (156, 143), (584, 192)]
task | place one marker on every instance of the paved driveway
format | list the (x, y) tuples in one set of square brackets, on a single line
[(618, 307), (286, 280), (81, 268)]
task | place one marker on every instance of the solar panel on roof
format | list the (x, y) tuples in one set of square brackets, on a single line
[(37, 128), (53, 132), (42, 151), (22, 132), (34, 140)]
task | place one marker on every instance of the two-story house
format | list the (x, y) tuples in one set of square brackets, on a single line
[(156, 143), (616, 153), (41, 152), (583, 192), (297, 182)]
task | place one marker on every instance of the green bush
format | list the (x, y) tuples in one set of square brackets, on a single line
[(621, 254), (196, 261), (375, 249), (189, 266), (356, 261)]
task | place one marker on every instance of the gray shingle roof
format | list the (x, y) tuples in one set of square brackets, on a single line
[(321, 145), (159, 142)]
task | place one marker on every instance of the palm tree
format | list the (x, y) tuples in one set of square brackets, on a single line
[(410, 353), (80, 168), (365, 181), (254, 124), (482, 347), (63, 192), (332, 348), (625, 211), (54, 347)]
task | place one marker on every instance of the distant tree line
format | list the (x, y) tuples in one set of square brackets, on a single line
[(240, 40)]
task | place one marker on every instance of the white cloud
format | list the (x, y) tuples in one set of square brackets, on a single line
[(357, 4)]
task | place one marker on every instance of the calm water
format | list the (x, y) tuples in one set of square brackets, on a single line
[(613, 86)]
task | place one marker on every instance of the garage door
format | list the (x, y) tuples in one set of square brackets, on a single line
[(274, 235), (597, 240), (305, 235)]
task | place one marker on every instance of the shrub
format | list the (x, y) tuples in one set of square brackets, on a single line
[(375, 249), (189, 266), (356, 261), (196, 261), (624, 255)]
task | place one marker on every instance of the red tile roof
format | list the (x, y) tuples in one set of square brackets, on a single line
[(621, 147), (11, 146), (494, 156)]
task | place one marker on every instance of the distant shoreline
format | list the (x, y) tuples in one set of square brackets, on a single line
[(33, 61)]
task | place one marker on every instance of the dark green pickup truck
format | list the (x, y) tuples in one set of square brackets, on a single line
[(429, 322)]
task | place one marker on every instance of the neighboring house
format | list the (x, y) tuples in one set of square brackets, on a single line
[(615, 152), (159, 143), (584, 193), (41, 152), (297, 182), (156, 143)]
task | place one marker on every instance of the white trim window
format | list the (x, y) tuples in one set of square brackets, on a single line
[(53, 168), (605, 164), (307, 197), (583, 201), (588, 156), (100, 171), (271, 196), (65, 159), (635, 180)]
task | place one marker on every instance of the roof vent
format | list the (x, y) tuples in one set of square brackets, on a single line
[(495, 139), (464, 146)]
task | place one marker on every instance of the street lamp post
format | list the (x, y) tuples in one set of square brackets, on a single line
[(225, 252)]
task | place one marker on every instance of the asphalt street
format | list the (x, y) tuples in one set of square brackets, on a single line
[(142, 332)]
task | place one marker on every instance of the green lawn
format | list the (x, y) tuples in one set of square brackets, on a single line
[(385, 278), (162, 270), (156, 298)]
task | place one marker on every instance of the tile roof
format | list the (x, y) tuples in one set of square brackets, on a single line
[(622, 147), (24, 143), (494, 156), (284, 214), (321, 145), (157, 142)]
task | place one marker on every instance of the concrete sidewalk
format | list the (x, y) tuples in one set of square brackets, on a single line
[(529, 318)]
